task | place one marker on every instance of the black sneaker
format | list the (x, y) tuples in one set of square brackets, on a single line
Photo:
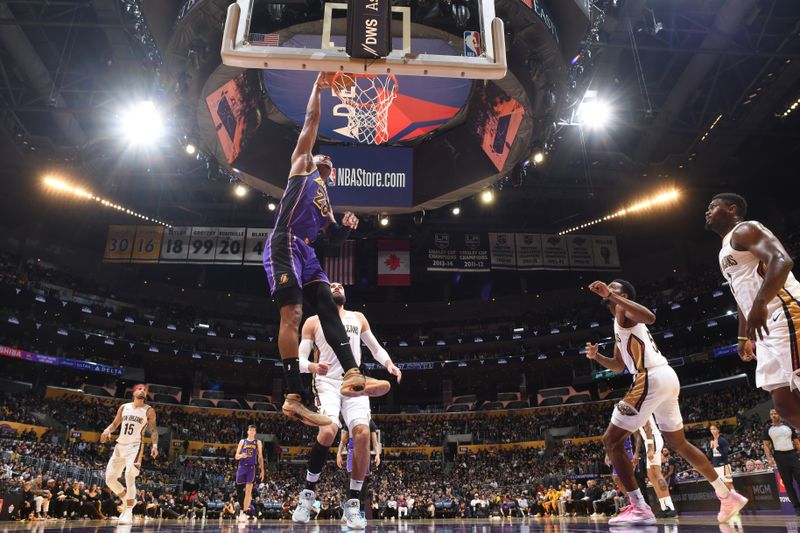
[(669, 513)]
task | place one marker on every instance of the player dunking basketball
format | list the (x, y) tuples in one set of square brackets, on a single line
[(294, 272), (248, 452), (355, 411), (133, 417), (759, 272), (654, 391)]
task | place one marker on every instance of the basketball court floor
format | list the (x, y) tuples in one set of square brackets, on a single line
[(694, 524)]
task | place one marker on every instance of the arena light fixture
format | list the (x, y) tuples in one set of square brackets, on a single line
[(58, 185), (384, 220), (240, 190), (538, 157), (593, 113), (660, 199), (142, 123), (191, 149), (456, 210), (791, 108), (271, 206), (487, 196)]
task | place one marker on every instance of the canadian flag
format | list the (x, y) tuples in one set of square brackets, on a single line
[(394, 267)]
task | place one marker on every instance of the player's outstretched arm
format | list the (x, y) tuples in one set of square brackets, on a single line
[(302, 159), (151, 423), (634, 312), (378, 352), (112, 427), (612, 363), (753, 237)]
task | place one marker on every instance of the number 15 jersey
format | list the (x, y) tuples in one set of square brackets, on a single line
[(134, 420)]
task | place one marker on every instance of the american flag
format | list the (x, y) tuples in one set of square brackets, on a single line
[(342, 268), (264, 39)]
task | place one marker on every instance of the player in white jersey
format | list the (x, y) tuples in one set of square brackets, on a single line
[(655, 392), (354, 410), (650, 434), (132, 419), (759, 272)]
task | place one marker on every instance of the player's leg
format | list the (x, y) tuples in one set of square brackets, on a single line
[(329, 401), (356, 414), (114, 469), (669, 419), (282, 265), (787, 403)]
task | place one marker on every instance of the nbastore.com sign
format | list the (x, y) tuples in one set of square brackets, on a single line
[(369, 176)]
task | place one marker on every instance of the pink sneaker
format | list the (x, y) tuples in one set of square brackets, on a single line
[(730, 506), (634, 514)]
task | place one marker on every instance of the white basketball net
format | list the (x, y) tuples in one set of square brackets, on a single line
[(369, 97)]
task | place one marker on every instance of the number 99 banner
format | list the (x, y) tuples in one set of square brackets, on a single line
[(185, 244)]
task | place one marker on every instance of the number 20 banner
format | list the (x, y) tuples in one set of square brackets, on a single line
[(185, 244)]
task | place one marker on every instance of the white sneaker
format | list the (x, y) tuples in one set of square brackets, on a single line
[(126, 517), (302, 512), (242, 517), (352, 515)]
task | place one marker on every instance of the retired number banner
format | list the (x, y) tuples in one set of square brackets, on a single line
[(458, 252)]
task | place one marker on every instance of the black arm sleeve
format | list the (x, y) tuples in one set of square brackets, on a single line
[(337, 233)]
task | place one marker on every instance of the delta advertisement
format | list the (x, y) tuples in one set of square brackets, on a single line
[(368, 176)]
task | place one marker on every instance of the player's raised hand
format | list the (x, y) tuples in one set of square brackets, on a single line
[(324, 79), (600, 289), (350, 220), (592, 350), (396, 372)]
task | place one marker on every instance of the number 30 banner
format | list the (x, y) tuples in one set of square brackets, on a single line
[(185, 244)]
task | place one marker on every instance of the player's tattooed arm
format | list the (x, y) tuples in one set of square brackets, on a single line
[(378, 352), (759, 241), (112, 427), (151, 423)]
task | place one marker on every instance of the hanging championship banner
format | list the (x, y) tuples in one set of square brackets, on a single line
[(606, 254), (581, 251), (458, 252), (254, 245), (230, 245), (503, 251), (147, 244), (175, 244), (529, 251), (554, 251), (202, 245), (119, 244)]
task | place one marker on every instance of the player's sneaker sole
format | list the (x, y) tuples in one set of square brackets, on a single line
[(356, 384), (294, 408)]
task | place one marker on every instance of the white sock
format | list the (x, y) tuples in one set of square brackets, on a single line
[(668, 502), (662, 503), (356, 485), (635, 496), (720, 488), (312, 478)]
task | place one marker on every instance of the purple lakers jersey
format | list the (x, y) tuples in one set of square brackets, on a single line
[(250, 451), (304, 206)]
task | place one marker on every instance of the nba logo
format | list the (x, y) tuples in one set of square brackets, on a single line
[(332, 178), (472, 43)]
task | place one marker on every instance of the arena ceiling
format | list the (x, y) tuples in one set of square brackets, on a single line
[(699, 100)]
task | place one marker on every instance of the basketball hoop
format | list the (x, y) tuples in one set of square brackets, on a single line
[(369, 97)]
